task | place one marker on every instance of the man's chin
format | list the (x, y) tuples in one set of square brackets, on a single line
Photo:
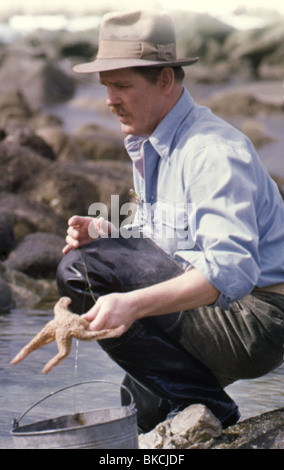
[(126, 129)]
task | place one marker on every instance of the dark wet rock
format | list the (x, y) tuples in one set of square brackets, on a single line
[(7, 239), (6, 297), (37, 255), (261, 432), (72, 187), (27, 216), (81, 44), (112, 178), (25, 137), (63, 145), (18, 167), (67, 192), (97, 143), (197, 428), (78, 48)]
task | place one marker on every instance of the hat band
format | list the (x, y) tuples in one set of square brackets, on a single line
[(136, 50)]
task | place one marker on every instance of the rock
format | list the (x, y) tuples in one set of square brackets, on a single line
[(38, 80), (7, 240), (255, 131), (257, 45), (220, 72), (25, 291), (25, 137), (77, 47), (13, 108), (193, 428), (241, 102), (27, 216), (40, 120), (196, 424), (19, 165), (63, 145), (6, 297), (68, 192), (97, 143), (73, 188), (37, 255), (200, 35), (261, 432), (197, 428)]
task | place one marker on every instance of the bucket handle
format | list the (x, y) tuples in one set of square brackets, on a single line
[(130, 406)]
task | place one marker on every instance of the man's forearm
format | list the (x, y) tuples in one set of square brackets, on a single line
[(187, 291), (190, 290)]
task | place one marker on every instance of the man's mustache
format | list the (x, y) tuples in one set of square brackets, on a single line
[(116, 110)]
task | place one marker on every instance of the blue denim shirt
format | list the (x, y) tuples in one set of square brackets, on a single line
[(205, 197)]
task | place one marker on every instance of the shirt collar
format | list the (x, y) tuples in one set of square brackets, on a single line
[(163, 135)]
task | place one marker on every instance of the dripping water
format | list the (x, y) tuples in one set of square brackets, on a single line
[(75, 374)]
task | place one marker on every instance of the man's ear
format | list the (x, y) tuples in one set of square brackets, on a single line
[(167, 80)]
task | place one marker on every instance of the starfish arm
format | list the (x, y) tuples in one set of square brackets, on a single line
[(85, 335), (45, 336), (64, 348), (63, 328), (61, 307)]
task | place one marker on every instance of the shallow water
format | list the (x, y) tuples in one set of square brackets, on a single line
[(24, 384)]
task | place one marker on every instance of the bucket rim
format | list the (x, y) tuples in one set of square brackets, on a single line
[(17, 420), (16, 432)]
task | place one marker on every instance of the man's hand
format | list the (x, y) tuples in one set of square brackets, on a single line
[(83, 230), (112, 311)]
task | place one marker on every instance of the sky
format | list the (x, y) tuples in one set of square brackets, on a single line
[(210, 6)]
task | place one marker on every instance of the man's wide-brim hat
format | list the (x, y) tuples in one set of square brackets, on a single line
[(135, 39)]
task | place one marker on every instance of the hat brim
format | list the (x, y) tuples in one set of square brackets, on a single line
[(104, 65)]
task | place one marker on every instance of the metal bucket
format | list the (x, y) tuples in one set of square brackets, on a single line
[(110, 428)]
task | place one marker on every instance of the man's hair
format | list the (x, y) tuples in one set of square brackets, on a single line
[(152, 73)]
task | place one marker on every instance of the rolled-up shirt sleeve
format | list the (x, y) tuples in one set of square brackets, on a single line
[(226, 237)]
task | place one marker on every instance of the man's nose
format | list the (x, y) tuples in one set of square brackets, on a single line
[(112, 98)]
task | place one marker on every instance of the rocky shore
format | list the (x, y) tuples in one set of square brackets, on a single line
[(197, 428)]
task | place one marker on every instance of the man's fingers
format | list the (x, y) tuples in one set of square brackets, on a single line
[(90, 315), (75, 220), (73, 232), (70, 245), (66, 249)]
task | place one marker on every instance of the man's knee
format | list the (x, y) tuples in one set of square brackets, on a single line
[(68, 269)]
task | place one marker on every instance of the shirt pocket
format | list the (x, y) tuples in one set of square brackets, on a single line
[(171, 223)]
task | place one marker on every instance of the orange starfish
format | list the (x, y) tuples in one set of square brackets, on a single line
[(63, 328)]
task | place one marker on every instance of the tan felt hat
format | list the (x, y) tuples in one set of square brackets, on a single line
[(135, 39)]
